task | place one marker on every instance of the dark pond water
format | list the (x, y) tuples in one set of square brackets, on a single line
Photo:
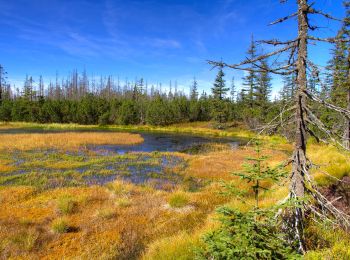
[(164, 142), (117, 162)]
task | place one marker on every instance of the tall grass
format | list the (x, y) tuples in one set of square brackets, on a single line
[(333, 163), (65, 140)]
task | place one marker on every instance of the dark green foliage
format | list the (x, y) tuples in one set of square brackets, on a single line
[(219, 90), (251, 80), (159, 112), (127, 113), (255, 171), (249, 235), (254, 234), (219, 111), (80, 100)]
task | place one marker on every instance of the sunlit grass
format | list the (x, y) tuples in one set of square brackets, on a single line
[(121, 220), (66, 140), (60, 225), (178, 200), (333, 164)]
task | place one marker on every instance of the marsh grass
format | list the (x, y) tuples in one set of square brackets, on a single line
[(64, 140), (327, 245), (178, 200), (25, 240), (179, 247), (333, 164), (121, 220), (66, 205), (106, 213), (60, 226), (123, 202)]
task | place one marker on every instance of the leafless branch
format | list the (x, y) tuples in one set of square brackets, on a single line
[(284, 18), (328, 16), (329, 40)]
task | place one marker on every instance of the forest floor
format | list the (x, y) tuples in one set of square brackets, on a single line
[(61, 199)]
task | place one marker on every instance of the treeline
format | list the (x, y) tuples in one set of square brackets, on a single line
[(83, 100), (80, 99)]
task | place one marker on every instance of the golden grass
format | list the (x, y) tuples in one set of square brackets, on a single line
[(332, 161), (198, 128), (179, 247), (125, 221), (66, 140), (220, 165)]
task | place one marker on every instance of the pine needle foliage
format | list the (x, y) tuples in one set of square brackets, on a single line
[(254, 234)]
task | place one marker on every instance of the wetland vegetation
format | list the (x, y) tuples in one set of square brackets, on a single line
[(108, 169), (98, 201)]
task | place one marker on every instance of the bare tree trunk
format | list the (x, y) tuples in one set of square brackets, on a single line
[(347, 120), (299, 167)]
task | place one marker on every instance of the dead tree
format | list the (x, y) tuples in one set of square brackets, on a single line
[(2, 82), (301, 184)]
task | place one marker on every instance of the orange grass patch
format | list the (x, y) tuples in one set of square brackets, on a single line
[(220, 165), (67, 140), (125, 234)]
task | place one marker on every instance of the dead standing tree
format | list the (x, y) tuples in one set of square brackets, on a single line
[(302, 186)]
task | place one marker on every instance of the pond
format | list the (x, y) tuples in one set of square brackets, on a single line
[(150, 162), (165, 142)]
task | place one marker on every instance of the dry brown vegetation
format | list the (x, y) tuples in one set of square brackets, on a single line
[(66, 140), (116, 221), (125, 221)]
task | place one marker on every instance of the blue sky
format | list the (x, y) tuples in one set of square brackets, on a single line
[(160, 40)]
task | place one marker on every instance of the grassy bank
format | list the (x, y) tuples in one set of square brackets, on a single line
[(198, 128), (49, 212)]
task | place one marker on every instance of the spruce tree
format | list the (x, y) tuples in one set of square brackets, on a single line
[(219, 92), (194, 90), (263, 88), (251, 80)]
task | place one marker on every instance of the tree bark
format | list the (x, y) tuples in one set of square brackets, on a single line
[(299, 167), (347, 120)]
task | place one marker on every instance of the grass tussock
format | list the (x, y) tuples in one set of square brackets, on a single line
[(65, 140), (60, 226), (66, 205), (178, 200)]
